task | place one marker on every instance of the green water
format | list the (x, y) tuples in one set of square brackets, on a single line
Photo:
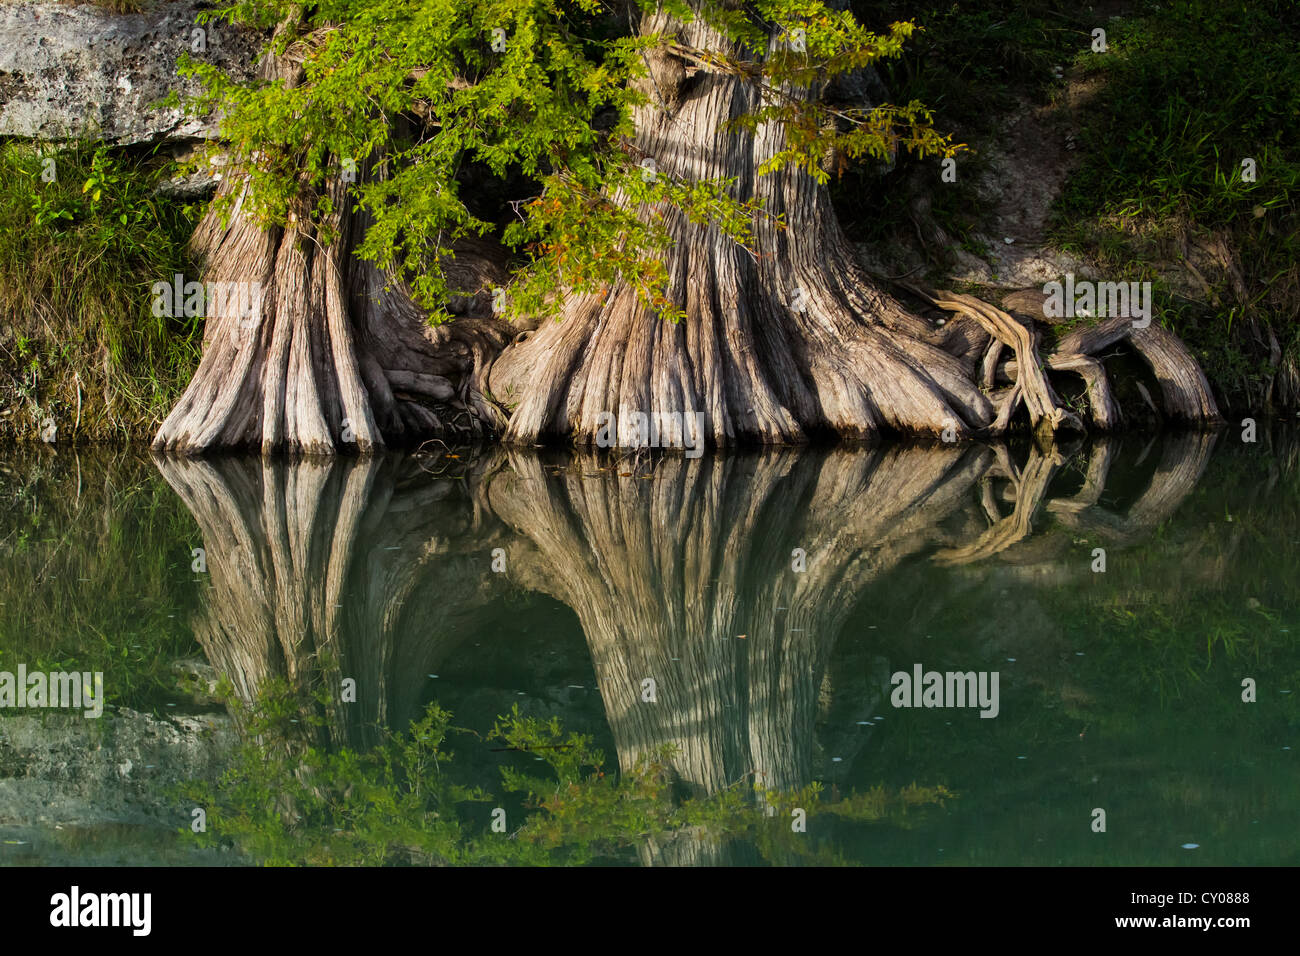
[(703, 625)]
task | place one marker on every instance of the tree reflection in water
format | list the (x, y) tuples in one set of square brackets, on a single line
[(724, 581)]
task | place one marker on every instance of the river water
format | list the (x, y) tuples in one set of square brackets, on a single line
[(733, 640)]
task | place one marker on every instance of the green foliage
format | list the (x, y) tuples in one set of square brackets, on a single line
[(286, 801), (1191, 110), (1190, 91), (78, 255), (576, 234), (420, 89), (871, 133)]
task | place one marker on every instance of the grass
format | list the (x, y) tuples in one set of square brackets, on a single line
[(1184, 92), (121, 6), (83, 237), (1191, 89)]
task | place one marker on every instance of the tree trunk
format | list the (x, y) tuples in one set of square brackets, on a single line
[(796, 341), (335, 362), (780, 346)]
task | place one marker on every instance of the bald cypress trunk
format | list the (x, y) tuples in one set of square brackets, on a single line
[(340, 358), (790, 341), (796, 341)]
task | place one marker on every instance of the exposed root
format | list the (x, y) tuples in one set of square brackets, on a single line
[(782, 342), (1185, 391), (1032, 389)]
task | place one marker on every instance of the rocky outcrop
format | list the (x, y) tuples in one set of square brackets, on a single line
[(57, 769), (75, 71)]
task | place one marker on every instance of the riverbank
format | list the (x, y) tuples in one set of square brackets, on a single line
[(1122, 164)]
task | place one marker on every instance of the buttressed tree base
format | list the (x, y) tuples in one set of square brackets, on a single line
[(676, 251)]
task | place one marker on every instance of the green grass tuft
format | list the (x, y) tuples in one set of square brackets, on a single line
[(83, 237)]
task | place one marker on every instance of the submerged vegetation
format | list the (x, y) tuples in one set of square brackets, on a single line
[(407, 801)]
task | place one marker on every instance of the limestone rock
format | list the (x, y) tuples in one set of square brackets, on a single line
[(82, 71)]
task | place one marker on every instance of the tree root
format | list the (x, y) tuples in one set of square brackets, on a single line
[(783, 341), (1186, 393), (1032, 389)]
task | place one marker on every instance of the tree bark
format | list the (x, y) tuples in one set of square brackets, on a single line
[(787, 343), (796, 341), (336, 361)]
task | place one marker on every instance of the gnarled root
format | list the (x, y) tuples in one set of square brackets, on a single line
[(1186, 393), (325, 353), (1031, 389)]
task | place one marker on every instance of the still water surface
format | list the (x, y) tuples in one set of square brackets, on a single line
[(722, 635)]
